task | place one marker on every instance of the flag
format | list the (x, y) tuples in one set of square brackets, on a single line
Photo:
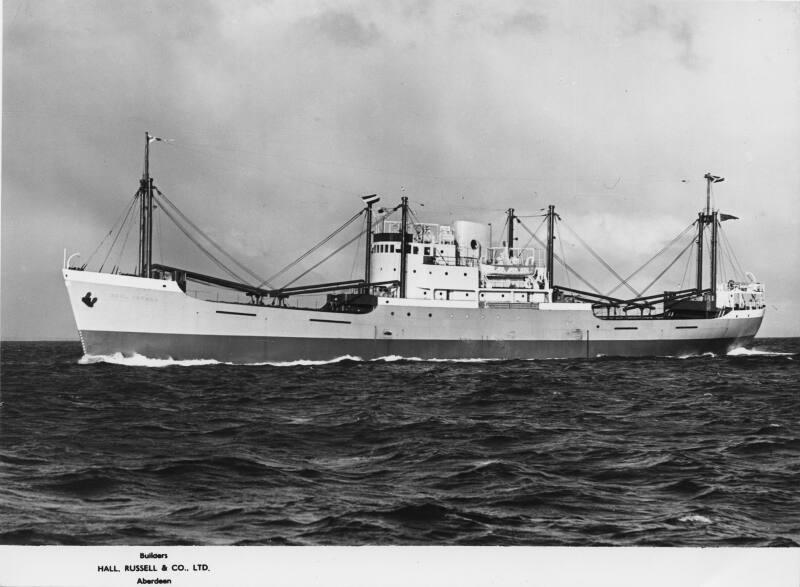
[(714, 178), (369, 200), (724, 217), (151, 139)]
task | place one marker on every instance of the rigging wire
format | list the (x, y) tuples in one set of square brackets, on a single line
[(358, 236), (252, 274), (158, 238), (599, 258), (310, 269), (560, 260), (732, 251), (312, 249), (208, 253), (124, 244), (538, 228), (503, 230), (358, 244), (563, 256), (654, 257), (729, 257), (668, 267), (119, 232), (123, 213), (688, 261)]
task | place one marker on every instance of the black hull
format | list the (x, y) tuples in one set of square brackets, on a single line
[(247, 349)]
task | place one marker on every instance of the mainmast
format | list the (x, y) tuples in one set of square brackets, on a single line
[(146, 213), (370, 200), (709, 216), (510, 232), (551, 220), (403, 245), (714, 256), (701, 221)]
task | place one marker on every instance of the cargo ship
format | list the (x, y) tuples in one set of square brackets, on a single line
[(428, 291)]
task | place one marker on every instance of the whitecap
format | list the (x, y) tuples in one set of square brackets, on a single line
[(695, 518)]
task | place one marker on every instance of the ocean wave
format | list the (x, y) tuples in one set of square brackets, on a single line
[(695, 518)]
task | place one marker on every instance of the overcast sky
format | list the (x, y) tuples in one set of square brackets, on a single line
[(284, 113)]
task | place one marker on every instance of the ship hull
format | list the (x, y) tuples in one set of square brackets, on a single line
[(251, 349), (153, 318)]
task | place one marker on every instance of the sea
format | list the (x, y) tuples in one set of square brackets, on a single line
[(671, 451)]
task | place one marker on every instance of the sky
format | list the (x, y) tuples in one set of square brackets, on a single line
[(282, 114)]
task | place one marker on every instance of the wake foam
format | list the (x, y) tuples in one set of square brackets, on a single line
[(393, 358), (692, 356), (743, 352), (302, 362), (138, 360)]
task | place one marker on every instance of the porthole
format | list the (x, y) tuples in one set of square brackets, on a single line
[(446, 273), (431, 316), (392, 313), (465, 274), (408, 313)]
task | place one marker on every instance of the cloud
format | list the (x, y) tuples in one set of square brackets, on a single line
[(523, 22), (680, 30), (341, 28), (283, 115)]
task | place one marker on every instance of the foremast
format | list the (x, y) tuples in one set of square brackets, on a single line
[(145, 196)]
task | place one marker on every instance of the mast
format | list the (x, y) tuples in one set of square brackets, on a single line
[(709, 217), (551, 217), (701, 220), (370, 200), (403, 244), (714, 255), (146, 213), (510, 232)]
